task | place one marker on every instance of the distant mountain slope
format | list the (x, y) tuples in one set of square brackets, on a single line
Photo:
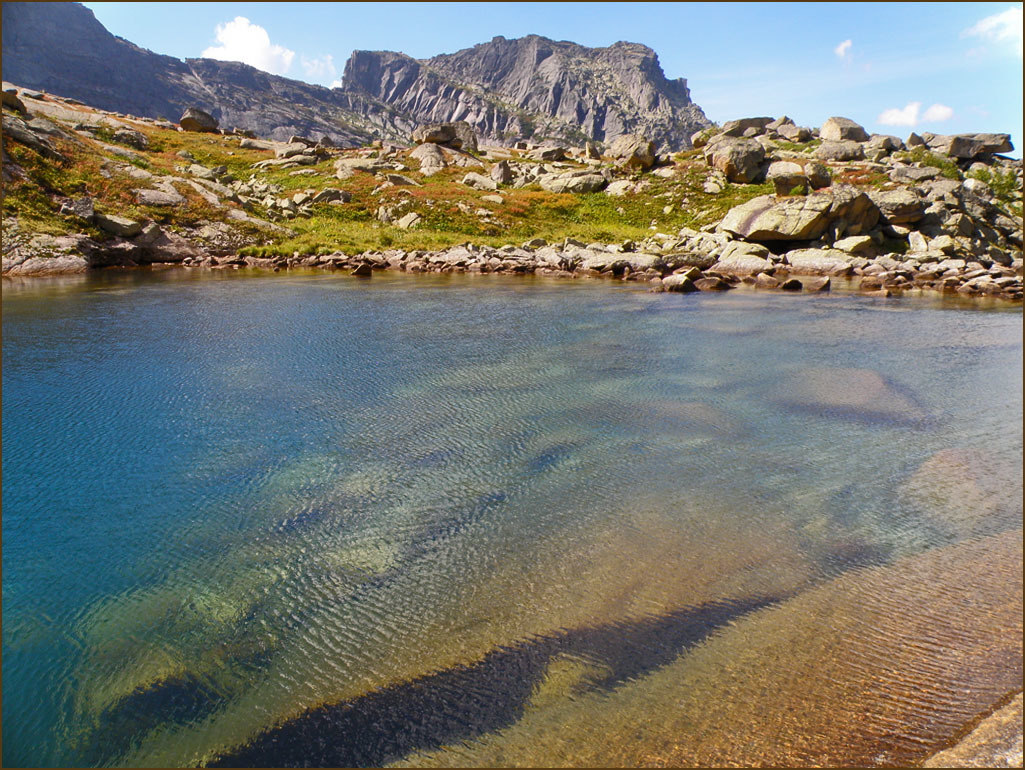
[(531, 87)]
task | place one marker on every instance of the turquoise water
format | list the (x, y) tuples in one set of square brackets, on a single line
[(267, 519)]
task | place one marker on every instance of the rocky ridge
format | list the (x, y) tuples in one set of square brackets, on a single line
[(894, 220), (531, 88)]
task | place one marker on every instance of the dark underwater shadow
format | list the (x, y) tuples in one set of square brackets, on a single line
[(463, 702)]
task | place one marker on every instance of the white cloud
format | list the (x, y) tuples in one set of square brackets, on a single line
[(1004, 26), (843, 49), (321, 67), (241, 40), (938, 113), (909, 114), (905, 117), (336, 84)]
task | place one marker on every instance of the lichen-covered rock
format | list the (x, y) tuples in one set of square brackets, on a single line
[(767, 219), (842, 130), (195, 119), (840, 151), (632, 151), (739, 159)]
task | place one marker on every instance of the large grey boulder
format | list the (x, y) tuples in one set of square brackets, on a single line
[(840, 151), (432, 159), (741, 126), (913, 175), (740, 258), (459, 135), (479, 182), (501, 172), (632, 151), (898, 207), (785, 175), (573, 182), (555, 152), (968, 145), (819, 261), (739, 159), (10, 99), (132, 138), (346, 167), (843, 208), (842, 130), (794, 133), (767, 219), (122, 226), (195, 119)]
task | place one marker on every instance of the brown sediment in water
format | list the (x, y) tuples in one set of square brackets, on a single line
[(995, 741), (881, 666)]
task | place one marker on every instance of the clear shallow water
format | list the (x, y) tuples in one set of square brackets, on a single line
[(299, 519)]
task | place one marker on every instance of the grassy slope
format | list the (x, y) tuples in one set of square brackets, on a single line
[(525, 213)]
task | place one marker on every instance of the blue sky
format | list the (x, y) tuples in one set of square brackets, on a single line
[(893, 67)]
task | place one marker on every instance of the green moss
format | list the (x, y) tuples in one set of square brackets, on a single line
[(1002, 183), (948, 168)]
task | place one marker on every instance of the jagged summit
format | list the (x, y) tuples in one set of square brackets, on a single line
[(529, 87)]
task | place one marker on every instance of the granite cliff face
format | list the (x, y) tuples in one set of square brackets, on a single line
[(534, 87), (531, 87)]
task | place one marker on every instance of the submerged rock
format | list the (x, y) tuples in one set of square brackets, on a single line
[(861, 394)]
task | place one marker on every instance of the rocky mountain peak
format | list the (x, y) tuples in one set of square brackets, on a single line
[(506, 89)]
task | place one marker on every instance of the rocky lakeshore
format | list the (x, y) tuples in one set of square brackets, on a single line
[(765, 201)]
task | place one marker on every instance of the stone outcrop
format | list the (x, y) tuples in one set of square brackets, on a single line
[(632, 151), (195, 119)]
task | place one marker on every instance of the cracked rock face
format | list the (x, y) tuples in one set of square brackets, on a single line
[(531, 87)]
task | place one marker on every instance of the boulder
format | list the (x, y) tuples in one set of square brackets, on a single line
[(897, 207), (859, 394), (739, 159), (501, 172), (573, 182), (818, 175), (432, 159), (842, 130), (459, 135), (968, 145), (742, 126), (331, 194), (248, 143), (885, 142), (346, 167), (819, 261), (840, 151), (548, 153), (400, 180), (132, 138), (81, 209), (121, 226), (619, 187), (740, 258), (479, 182), (166, 195), (409, 221), (852, 211), (794, 133), (785, 175), (195, 119), (10, 99), (963, 491), (632, 151), (679, 283), (711, 284), (913, 175), (767, 219)]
